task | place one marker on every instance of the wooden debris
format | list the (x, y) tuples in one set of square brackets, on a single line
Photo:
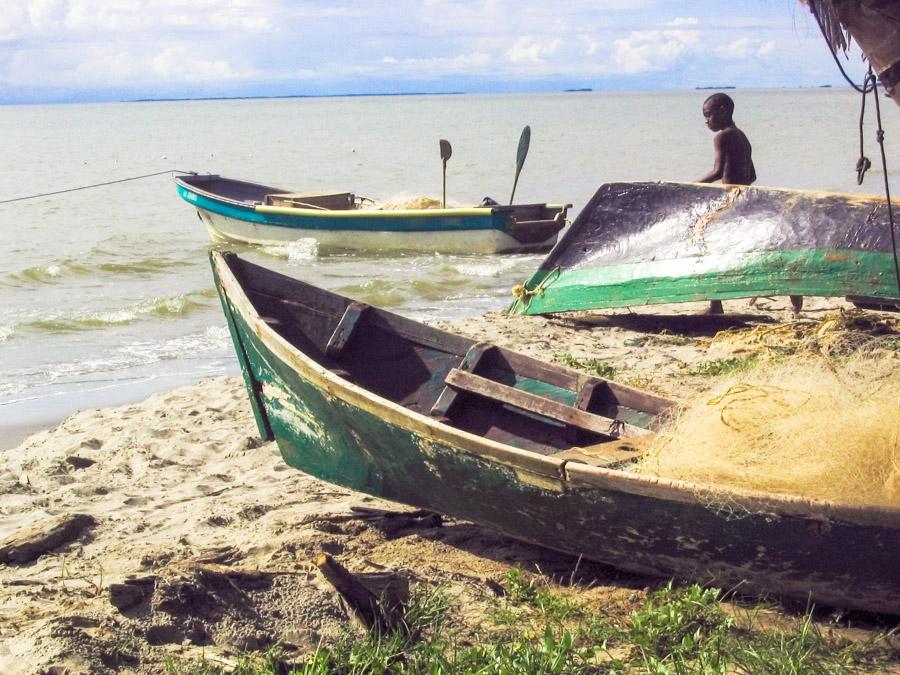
[(32, 542), (383, 610), (131, 593)]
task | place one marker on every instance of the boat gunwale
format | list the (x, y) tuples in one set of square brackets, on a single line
[(854, 196), (363, 213), (570, 474)]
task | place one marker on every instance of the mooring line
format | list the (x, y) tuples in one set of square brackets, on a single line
[(86, 187)]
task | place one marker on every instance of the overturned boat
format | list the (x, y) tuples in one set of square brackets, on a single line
[(251, 213), (382, 404), (654, 243)]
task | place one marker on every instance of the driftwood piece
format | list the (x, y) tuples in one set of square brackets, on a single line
[(383, 610), (131, 592), (32, 542)]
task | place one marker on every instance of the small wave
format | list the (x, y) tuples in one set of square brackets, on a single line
[(438, 290), (213, 339), (164, 307), (48, 273), (59, 269), (489, 267), (148, 265), (6, 333), (378, 292), (295, 251)]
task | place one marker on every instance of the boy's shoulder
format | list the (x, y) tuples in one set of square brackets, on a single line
[(732, 134)]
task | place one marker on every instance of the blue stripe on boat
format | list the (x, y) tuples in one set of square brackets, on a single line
[(401, 223)]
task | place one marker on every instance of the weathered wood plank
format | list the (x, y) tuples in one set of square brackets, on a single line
[(474, 357), (609, 453), (583, 402), (482, 386), (32, 542), (344, 330), (525, 366)]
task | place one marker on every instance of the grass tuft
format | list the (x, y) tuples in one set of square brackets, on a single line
[(593, 366), (724, 366)]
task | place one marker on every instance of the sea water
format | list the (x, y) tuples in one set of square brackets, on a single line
[(106, 294)]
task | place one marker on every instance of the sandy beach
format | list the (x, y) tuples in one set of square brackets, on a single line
[(196, 541)]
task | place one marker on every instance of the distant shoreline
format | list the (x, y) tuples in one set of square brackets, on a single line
[(254, 98)]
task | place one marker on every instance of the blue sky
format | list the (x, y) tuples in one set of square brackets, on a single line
[(97, 50)]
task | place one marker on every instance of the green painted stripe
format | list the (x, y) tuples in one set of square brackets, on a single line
[(259, 414), (406, 221), (712, 277)]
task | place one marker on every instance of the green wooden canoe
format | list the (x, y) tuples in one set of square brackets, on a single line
[(653, 243), (382, 404)]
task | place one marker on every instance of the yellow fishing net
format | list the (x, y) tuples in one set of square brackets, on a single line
[(408, 204), (819, 418)]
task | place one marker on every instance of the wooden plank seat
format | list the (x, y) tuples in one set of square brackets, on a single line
[(449, 396), (325, 201), (481, 386)]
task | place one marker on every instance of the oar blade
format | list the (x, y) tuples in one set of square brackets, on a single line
[(521, 154), (524, 142)]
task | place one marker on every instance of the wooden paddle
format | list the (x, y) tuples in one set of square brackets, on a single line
[(524, 141), (446, 151)]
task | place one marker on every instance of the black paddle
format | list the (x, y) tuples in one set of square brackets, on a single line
[(521, 154), (446, 151)]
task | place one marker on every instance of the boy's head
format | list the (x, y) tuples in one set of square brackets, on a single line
[(717, 111)]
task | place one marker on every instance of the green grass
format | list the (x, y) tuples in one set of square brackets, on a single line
[(724, 366), (538, 630), (593, 366)]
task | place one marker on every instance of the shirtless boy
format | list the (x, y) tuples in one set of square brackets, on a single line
[(733, 161)]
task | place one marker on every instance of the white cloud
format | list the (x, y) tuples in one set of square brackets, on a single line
[(591, 47), (12, 18), (531, 50), (96, 17), (175, 63), (416, 67), (686, 21), (745, 48), (653, 51)]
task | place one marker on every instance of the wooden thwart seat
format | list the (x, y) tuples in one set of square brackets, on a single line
[(325, 201), (482, 386), (471, 361)]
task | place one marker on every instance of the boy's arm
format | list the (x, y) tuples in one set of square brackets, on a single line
[(718, 169)]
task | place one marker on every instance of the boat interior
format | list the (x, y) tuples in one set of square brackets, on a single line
[(473, 386)]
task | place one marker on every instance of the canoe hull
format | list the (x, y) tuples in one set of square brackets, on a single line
[(483, 240), (335, 431), (238, 213), (654, 243)]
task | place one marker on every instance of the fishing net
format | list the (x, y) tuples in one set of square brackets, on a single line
[(837, 336), (819, 418), (407, 204)]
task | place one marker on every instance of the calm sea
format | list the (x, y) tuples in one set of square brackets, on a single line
[(106, 295)]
